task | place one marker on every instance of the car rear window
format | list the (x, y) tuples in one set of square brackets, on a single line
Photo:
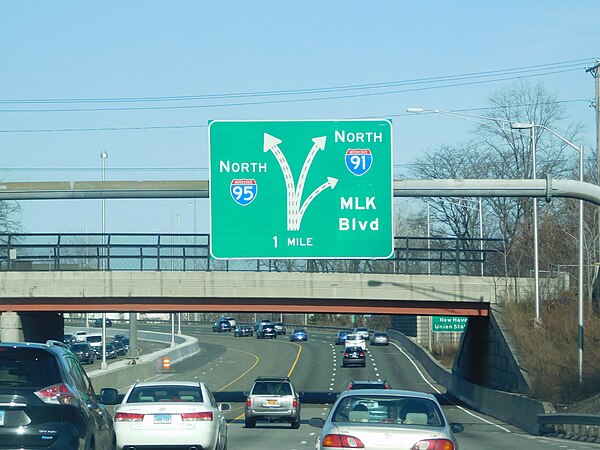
[(144, 394), (271, 388), (26, 367), (389, 409)]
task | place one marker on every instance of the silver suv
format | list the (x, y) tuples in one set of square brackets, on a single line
[(274, 399)]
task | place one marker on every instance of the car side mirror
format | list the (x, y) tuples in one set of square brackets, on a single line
[(246, 393), (224, 406), (109, 396), (316, 422), (300, 394), (457, 427)]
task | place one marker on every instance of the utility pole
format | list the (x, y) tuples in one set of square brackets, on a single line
[(594, 71)]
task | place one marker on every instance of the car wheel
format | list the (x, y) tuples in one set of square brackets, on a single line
[(295, 423), (250, 422)]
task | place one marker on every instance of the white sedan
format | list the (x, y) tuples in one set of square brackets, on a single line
[(170, 413), (355, 340)]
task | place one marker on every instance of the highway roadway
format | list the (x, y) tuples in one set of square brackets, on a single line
[(229, 365)]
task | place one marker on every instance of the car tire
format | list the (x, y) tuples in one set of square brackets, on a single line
[(295, 423), (250, 422)]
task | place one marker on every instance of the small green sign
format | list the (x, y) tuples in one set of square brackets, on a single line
[(448, 323), (301, 189)]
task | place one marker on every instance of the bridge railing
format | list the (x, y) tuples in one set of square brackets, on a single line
[(191, 252)]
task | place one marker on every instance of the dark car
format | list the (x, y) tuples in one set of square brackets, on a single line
[(111, 351), (69, 339), (98, 322), (280, 328), (299, 334), (260, 322), (123, 339), (119, 348), (340, 339), (221, 325), (83, 352), (52, 402), (266, 331), (354, 356), (243, 329)]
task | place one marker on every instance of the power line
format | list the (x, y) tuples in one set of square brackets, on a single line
[(457, 81)]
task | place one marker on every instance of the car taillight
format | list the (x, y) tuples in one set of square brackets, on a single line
[(295, 403), (197, 416), (128, 417), (433, 444), (387, 386), (249, 402), (57, 394), (361, 354), (341, 440)]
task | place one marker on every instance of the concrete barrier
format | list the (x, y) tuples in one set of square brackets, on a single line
[(515, 409), (122, 374)]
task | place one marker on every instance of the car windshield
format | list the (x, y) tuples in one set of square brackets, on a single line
[(144, 394), (94, 339), (354, 337), (399, 410)]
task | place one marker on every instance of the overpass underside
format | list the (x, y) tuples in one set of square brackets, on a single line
[(369, 293)]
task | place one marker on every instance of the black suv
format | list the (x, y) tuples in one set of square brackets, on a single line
[(266, 331), (47, 400)]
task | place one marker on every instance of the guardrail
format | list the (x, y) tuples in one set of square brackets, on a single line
[(190, 252), (581, 427)]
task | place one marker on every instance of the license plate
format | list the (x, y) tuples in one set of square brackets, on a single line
[(2, 414), (162, 418), (272, 402)]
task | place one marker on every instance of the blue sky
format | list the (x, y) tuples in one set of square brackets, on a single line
[(58, 50)]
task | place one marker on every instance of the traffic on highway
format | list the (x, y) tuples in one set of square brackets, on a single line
[(292, 395)]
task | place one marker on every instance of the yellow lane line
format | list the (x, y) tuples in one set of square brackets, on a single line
[(244, 373), (296, 360)]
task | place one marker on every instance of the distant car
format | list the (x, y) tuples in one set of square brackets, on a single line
[(95, 340), (260, 322), (123, 339), (119, 348), (340, 339), (354, 340), (98, 322), (170, 414), (299, 334), (111, 351), (280, 328), (69, 339), (231, 321), (81, 336), (274, 399), (48, 401), (266, 331), (380, 338), (243, 329), (221, 325), (83, 352), (354, 356), (367, 384), (362, 332), (377, 418)]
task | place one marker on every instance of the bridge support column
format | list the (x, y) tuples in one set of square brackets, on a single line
[(10, 327)]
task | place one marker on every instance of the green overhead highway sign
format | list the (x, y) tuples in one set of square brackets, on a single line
[(448, 323), (301, 189)]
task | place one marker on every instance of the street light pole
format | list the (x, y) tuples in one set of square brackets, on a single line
[(531, 127), (104, 364), (580, 330)]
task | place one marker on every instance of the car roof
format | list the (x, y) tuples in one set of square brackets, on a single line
[(388, 392), (169, 383)]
